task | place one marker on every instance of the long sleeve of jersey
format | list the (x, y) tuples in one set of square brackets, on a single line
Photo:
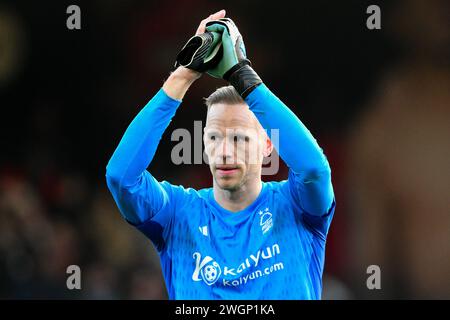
[(309, 174), (137, 193)]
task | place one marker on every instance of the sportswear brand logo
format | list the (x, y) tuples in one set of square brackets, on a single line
[(203, 230)]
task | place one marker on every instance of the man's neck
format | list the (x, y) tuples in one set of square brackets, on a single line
[(237, 200)]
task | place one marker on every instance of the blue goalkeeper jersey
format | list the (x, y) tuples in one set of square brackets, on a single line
[(273, 249)]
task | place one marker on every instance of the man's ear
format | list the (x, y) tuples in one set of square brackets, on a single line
[(204, 141), (268, 148)]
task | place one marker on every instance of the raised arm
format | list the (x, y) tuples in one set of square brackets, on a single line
[(310, 174), (137, 193)]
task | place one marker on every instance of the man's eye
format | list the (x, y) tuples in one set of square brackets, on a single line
[(241, 138), (213, 138)]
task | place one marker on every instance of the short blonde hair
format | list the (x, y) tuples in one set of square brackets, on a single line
[(225, 94)]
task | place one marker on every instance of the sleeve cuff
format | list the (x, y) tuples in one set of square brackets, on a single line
[(164, 96)]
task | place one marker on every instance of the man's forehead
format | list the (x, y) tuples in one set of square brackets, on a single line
[(230, 123), (222, 115)]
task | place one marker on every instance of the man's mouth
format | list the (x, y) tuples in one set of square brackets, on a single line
[(225, 170)]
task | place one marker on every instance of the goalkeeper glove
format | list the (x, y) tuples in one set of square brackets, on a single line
[(201, 52), (234, 65)]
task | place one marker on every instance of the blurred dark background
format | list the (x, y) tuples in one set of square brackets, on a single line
[(378, 102)]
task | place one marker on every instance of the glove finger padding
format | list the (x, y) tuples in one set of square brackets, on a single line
[(233, 46), (234, 65), (201, 52)]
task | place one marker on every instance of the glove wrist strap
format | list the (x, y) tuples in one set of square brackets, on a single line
[(243, 78)]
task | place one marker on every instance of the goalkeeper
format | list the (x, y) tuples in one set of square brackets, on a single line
[(242, 238)]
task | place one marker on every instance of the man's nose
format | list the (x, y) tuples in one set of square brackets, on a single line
[(226, 149)]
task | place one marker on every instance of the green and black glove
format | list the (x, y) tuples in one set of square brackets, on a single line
[(234, 65), (201, 52)]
